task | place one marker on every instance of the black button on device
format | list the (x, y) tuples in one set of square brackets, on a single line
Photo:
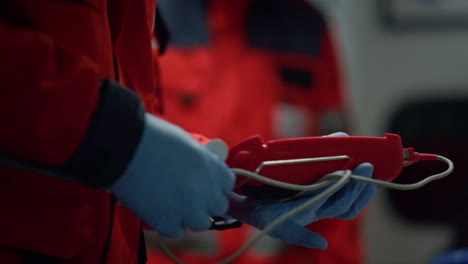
[(302, 78), (188, 100)]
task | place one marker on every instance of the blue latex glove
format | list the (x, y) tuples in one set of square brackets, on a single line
[(457, 256), (345, 203), (173, 182)]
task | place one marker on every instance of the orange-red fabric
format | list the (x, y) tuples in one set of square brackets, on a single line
[(203, 94), (54, 52)]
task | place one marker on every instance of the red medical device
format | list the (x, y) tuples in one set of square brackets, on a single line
[(304, 161)]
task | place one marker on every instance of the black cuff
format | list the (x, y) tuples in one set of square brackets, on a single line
[(113, 135), (111, 140)]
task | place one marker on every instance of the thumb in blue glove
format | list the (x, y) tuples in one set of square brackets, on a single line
[(345, 203), (173, 182)]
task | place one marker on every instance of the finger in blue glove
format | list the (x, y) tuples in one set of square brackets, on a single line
[(348, 202), (293, 233), (337, 134)]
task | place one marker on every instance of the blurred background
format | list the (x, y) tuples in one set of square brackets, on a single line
[(289, 68), (406, 67)]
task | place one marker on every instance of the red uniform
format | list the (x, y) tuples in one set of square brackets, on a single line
[(57, 112), (226, 82)]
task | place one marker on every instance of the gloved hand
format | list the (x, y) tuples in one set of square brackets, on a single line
[(345, 203), (173, 182)]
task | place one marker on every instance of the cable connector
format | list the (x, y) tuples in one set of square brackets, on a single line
[(411, 157)]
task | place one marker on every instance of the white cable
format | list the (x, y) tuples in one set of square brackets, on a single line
[(323, 182), (340, 180), (280, 184), (405, 187)]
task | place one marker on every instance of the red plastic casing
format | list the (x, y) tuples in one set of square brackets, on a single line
[(385, 153)]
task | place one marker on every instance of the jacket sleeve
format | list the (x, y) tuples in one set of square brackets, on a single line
[(57, 117)]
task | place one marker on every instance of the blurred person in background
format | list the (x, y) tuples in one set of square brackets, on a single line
[(234, 69)]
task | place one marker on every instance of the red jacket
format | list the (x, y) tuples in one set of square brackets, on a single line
[(56, 112)]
